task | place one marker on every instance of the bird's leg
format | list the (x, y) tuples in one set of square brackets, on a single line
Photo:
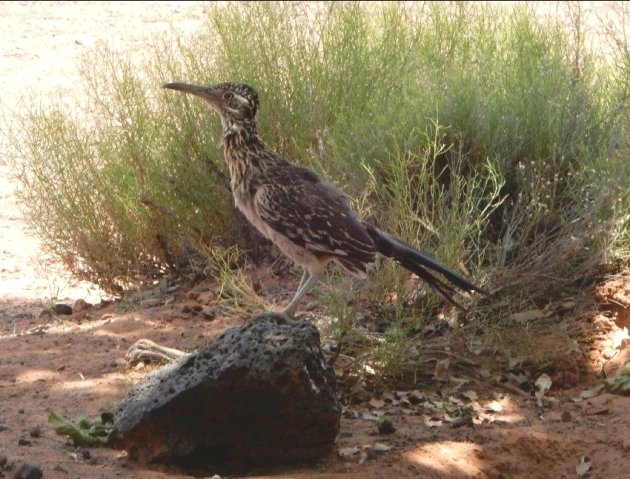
[(286, 316), (305, 276), (310, 282)]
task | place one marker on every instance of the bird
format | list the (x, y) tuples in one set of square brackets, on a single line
[(305, 216)]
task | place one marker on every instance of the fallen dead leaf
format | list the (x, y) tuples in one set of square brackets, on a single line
[(529, 315), (389, 397), (589, 393), (348, 452), (494, 406), (583, 467), (458, 381), (436, 404), (431, 422), (471, 395), (441, 369), (381, 447), (377, 403), (357, 387), (598, 411), (476, 347), (543, 384), (459, 421), (350, 413), (370, 416), (416, 397)]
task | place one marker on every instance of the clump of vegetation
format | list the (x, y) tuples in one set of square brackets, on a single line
[(84, 431), (488, 136)]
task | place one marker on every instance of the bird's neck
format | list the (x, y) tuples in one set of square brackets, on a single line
[(242, 147), (239, 133)]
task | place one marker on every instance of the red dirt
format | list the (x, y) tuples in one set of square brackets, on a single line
[(76, 363)]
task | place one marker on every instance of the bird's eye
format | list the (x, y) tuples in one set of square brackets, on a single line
[(228, 95)]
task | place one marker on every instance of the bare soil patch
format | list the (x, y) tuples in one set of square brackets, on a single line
[(76, 363)]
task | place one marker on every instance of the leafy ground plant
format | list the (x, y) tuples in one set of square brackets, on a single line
[(620, 382), (84, 431)]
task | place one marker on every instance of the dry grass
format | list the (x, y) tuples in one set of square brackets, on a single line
[(492, 138)]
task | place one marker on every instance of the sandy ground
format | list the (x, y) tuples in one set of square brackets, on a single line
[(76, 363), (40, 46)]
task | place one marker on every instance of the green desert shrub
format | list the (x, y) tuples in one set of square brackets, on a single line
[(486, 135)]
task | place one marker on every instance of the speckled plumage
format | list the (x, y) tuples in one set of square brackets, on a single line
[(307, 218)]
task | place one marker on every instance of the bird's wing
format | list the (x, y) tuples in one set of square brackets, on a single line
[(294, 202)]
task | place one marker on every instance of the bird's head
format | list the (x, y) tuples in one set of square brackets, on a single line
[(234, 102)]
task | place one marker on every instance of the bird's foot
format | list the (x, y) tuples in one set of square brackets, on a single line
[(145, 350)]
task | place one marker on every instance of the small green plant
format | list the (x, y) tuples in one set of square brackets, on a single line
[(84, 431), (620, 382), (235, 290)]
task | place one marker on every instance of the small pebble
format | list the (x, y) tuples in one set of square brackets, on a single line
[(20, 411), (80, 305), (62, 309), (386, 427), (24, 442), (35, 432), (28, 471), (151, 302)]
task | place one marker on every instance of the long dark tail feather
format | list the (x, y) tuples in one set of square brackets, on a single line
[(420, 264)]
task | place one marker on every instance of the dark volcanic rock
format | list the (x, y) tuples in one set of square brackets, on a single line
[(62, 309), (261, 393), (28, 471)]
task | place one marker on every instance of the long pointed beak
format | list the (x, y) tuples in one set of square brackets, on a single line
[(197, 90)]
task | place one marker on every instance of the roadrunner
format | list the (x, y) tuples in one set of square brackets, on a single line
[(307, 218)]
